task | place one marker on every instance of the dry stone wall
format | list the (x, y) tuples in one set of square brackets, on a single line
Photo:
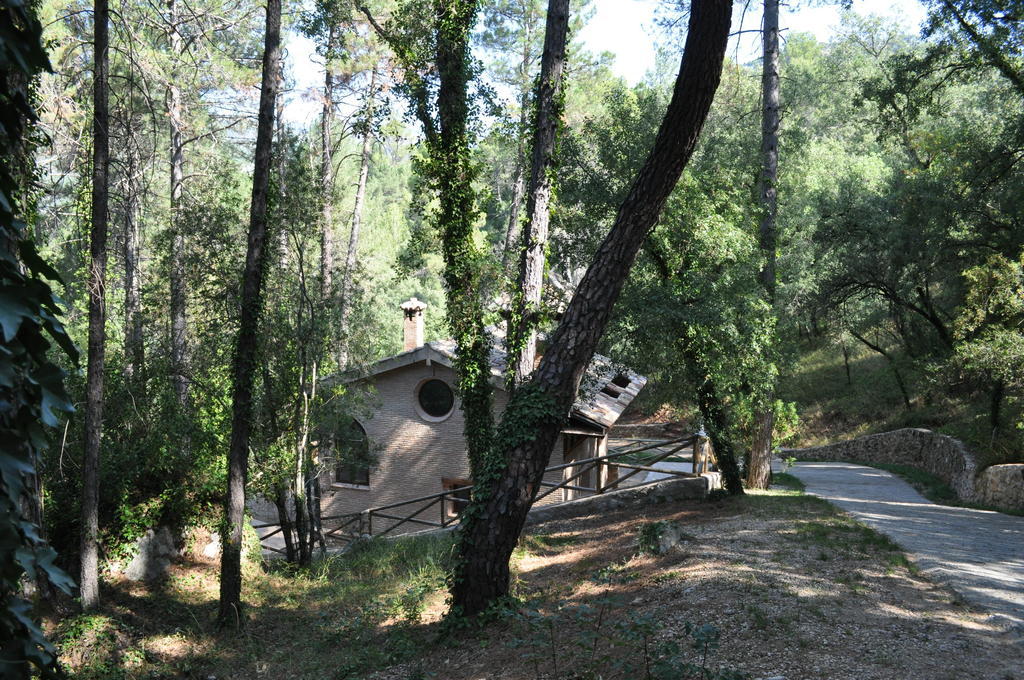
[(948, 459), (1001, 486)]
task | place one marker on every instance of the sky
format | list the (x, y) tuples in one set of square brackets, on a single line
[(625, 28)]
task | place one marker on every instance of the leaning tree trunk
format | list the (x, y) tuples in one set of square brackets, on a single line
[(523, 334), (357, 220), (536, 412), (759, 468), (89, 549), (230, 612)]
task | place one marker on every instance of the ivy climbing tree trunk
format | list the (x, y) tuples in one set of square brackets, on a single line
[(759, 463), (523, 333), (452, 168), (505, 488), (89, 549), (230, 612)]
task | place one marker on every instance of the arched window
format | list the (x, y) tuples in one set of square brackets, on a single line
[(352, 453)]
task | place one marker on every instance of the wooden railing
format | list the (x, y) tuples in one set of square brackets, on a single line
[(640, 455)]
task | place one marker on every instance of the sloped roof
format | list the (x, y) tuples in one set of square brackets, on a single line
[(606, 390)]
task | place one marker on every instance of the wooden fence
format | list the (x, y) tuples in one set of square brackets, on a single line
[(639, 455)]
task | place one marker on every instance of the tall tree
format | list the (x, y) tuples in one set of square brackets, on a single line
[(530, 425), (175, 119), (244, 360), (89, 551), (759, 463), (352, 253), (327, 167), (523, 331)]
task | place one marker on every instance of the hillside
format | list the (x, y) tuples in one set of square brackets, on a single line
[(832, 408)]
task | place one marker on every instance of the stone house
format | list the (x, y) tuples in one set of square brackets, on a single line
[(416, 432)]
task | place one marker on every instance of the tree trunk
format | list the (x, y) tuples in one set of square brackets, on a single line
[(716, 422), (327, 174), (523, 335), (357, 220), (230, 612), (284, 519), (996, 406), (759, 469), (536, 412), (519, 181), (179, 340), (134, 347), (453, 168), (892, 365), (515, 207), (846, 363), (89, 551)]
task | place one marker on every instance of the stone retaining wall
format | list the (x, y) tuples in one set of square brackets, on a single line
[(1001, 486), (947, 458)]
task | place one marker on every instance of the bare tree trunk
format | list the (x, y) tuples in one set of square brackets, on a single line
[(846, 363), (327, 174), (515, 207), (536, 412), (179, 339), (535, 234), (357, 220), (133, 342), (519, 181), (89, 550), (759, 469), (284, 519), (230, 612)]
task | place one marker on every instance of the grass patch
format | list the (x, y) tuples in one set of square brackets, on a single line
[(927, 484), (361, 610), (785, 480)]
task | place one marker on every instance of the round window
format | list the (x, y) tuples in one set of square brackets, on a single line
[(436, 398)]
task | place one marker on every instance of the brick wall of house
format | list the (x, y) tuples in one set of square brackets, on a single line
[(413, 455)]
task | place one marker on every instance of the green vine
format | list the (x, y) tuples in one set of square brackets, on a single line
[(31, 386)]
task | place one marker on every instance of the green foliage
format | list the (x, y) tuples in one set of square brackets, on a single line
[(32, 390), (649, 537)]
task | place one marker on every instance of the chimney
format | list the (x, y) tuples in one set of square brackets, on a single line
[(412, 310)]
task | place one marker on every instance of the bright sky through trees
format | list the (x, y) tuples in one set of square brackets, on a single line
[(625, 28)]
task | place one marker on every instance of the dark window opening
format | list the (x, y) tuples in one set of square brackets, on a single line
[(436, 398), (616, 386), (457, 501), (352, 449)]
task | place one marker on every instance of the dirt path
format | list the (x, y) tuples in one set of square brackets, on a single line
[(978, 553)]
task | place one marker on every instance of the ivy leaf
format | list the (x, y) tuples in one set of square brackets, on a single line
[(12, 311)]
